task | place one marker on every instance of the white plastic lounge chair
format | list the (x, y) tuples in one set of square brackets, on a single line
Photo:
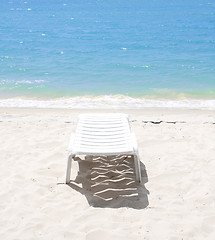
[(103, 135)]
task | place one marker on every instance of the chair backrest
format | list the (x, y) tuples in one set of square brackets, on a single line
[(103, 124), (103, 117)]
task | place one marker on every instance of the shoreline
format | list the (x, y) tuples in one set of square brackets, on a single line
[(162, 111), (147, 115)]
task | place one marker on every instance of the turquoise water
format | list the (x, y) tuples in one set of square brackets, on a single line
[(143, 49)]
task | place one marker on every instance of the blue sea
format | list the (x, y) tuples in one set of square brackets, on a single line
[(81, 53)]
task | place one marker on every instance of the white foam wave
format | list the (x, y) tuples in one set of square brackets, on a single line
[(107, 102)]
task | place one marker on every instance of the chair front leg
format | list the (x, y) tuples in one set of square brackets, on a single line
[(69, 164), (137, 167)]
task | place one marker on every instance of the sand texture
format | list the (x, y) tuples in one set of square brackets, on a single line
[(176, 199)]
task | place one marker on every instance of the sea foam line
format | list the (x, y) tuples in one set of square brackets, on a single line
[(108, 102)]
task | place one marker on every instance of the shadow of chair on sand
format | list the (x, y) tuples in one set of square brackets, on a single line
[(110, 182)]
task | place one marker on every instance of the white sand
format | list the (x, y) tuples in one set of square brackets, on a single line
[(175, 201)]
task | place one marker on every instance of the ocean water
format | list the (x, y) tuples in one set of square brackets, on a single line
[(111, 52)]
